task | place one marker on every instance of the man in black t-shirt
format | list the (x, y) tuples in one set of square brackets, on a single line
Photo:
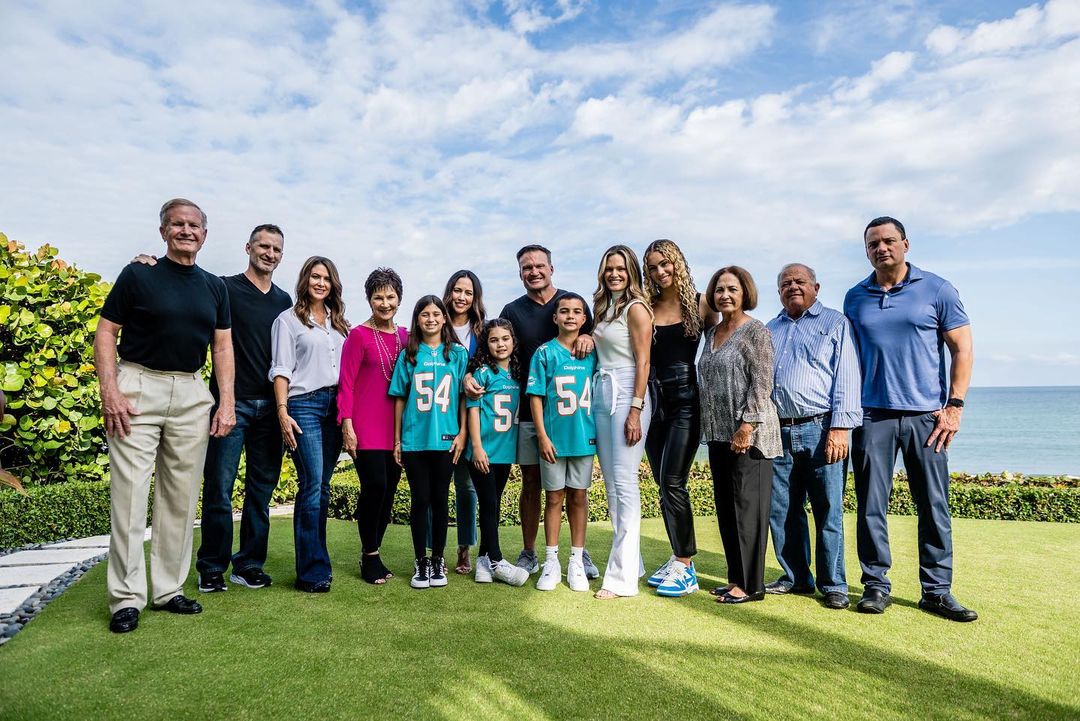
[(156, 409), (532, 316), (255, 303)]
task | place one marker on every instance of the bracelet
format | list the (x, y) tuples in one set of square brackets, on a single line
[(638, 403), (282, 405)]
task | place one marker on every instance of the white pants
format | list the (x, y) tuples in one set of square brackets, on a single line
[(612, 392)]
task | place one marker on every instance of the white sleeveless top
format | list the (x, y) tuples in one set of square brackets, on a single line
[(614, 349)]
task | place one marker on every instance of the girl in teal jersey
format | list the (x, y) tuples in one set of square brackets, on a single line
[(429, 429), (493, 431)]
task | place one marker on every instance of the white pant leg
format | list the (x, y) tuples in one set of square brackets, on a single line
[(619, 464)]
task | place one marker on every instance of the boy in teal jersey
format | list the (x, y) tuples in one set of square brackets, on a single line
[(560, 394), (493, 431), (429, 429)]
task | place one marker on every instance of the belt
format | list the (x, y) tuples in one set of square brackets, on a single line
[(800, 421)]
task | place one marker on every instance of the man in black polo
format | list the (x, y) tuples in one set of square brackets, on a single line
[(156, 409), (532, 317), (255, 303)]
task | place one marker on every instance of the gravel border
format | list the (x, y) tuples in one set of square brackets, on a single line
[(12, 623)]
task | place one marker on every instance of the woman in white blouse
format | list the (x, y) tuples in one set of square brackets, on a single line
[(623, 328), (307, 341)]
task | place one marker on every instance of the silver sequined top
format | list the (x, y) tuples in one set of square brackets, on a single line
[(735, 381)]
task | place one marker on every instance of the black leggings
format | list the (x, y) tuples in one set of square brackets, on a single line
[(671, 445), (489, 489), (379, 476), (429, 474)]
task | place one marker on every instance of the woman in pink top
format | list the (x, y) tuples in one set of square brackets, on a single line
[(366, 414)]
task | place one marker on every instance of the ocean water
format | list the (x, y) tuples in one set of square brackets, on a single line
[(1031, 430)]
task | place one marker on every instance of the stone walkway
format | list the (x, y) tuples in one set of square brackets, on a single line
[(31, 577)]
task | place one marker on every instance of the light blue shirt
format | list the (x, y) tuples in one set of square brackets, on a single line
[(498, 414), (817, 368), (565, 384), (899, 333), (431, 388)]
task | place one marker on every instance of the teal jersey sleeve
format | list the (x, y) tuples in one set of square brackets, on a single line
[(401, 380), (538, 375), (498, 415), (432, 396), (567, 395)]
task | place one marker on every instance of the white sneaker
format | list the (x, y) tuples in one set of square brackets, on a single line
[(509, 573), (575, 575), (550, 575), (482, 574), (661, 573)]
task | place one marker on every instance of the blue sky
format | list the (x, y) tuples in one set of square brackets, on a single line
[(437, 135)]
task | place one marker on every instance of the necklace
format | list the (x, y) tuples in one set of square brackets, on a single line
[(383, 352)]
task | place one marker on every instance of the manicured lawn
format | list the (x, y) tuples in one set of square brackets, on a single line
[(471, 651)]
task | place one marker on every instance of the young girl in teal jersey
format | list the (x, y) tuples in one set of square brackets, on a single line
[(493, 434), (429, 429), (560, 394)]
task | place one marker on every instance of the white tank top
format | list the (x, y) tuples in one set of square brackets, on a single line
[(614, 348)]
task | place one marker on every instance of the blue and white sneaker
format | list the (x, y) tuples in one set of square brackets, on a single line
[(661, 573), (681, 580), (591, 571)]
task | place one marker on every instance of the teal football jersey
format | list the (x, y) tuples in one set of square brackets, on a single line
[(498, 414), (565, 383), (432, 390)]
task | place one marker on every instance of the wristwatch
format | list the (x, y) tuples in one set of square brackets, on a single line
[(955, 403), (638, 403)]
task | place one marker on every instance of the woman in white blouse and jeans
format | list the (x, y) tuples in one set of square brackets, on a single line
[(307, 341), (623, 328)]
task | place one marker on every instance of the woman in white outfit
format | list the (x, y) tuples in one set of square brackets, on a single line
[(623, 328)]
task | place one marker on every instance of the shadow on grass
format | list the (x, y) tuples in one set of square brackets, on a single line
[(480, 651)]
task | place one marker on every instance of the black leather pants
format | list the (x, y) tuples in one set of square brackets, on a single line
[(671, 445)]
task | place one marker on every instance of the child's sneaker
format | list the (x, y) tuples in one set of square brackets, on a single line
[(681, 580), (438, 572), (482, 572), (591, 571), (661, 573), (509, 573), (527, 560), (421, 573), (550, 574), (575, 575)]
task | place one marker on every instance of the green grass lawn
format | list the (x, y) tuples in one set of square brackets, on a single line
[(470, 651)]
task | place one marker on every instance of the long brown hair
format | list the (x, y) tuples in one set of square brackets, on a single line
[(335, 306), (448, 337), (603, 298), (476, 312), (684, 284), (482, 357)]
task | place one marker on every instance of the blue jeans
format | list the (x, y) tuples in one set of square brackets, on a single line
[(316, 454), (800, 473), (874, 447), (258, 435)]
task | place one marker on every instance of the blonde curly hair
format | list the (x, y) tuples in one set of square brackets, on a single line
[(684, 284)]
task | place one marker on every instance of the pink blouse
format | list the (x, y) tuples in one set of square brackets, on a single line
[(367, 363)]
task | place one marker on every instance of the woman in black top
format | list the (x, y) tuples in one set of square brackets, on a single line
[(674, 434)]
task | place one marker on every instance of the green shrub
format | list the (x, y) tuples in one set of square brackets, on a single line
[(76, 509), (48, 313)]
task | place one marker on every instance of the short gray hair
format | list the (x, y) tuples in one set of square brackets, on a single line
[(179, 203), (789, 266)]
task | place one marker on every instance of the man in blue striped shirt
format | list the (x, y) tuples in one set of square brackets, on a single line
[(817, 391)]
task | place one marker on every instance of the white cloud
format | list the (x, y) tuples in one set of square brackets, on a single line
[(884, 71), (1029, 26)]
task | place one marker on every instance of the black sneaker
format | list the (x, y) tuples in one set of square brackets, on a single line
[(251, 577), (438, 572), (212, 582), (422, 573)]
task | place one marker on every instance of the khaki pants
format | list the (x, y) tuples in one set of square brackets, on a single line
[(168, 436)]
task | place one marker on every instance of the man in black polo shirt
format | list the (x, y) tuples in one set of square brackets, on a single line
[(532, 316), (255, 302), (157, 410)]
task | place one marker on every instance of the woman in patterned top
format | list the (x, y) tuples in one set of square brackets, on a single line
[(739, 422)]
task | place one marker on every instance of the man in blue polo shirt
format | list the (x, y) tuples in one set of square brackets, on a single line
[(904, 318)]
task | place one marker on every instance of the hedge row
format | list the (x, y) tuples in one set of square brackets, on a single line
[(81, 509)]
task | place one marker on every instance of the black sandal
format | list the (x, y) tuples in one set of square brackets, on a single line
[(372, 570)]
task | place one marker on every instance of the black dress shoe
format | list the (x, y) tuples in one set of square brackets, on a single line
[(320, 587), (180, 604), (124, 620), (873, 600), (780, 588), (836, 600), (947, 607), (728, 598), (720, 590)]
